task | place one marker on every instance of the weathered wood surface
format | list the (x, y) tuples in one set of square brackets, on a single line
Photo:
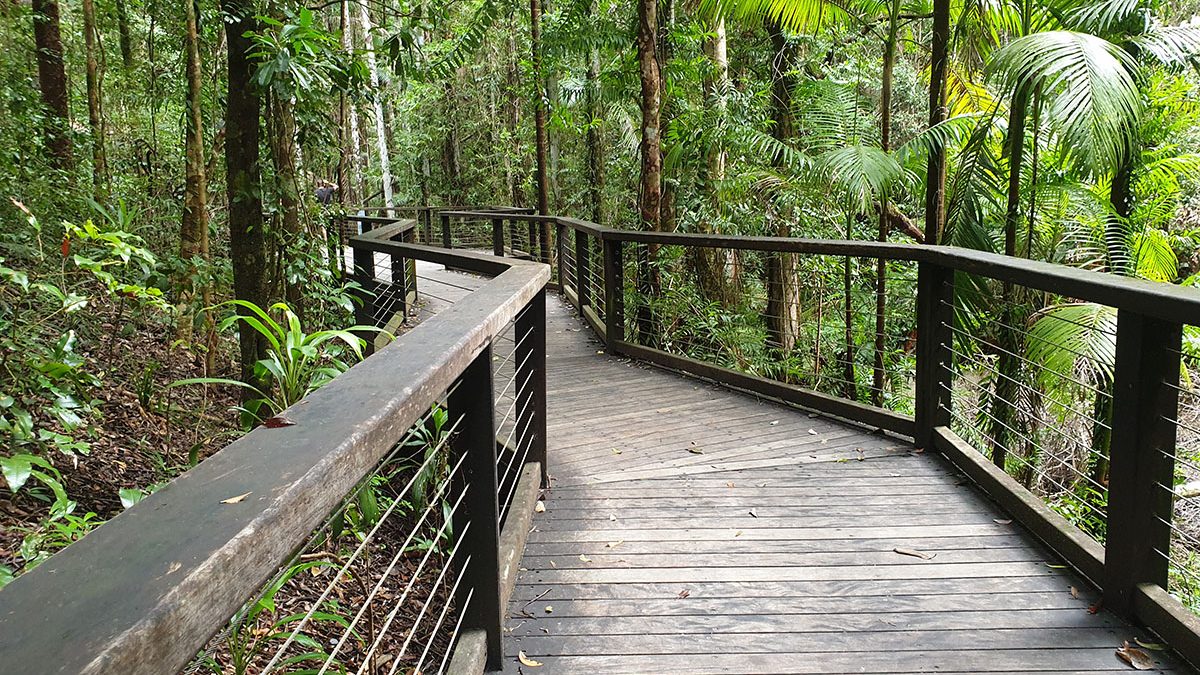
[(691, 529)]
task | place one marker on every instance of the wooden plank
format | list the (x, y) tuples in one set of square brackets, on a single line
[(966, 658)]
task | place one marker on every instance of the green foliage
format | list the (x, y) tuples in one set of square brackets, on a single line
[(297, 362)]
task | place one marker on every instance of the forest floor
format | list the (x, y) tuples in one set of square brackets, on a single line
[(143, 432)]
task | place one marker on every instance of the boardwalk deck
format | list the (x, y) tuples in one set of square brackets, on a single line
[(691, 529)]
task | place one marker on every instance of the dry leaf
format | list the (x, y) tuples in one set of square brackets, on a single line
[(540, 507), (1002, 521), (1095, 609), (774, 422), (813, 432), (1135, 657), (738, 533), (1074, 592), (612, 517), (684, 593), (234, 500), (1149, 645), (616, 451), (753, 514), (277, 421), (696, 451), (549, 609), (526, 661), (915, 553), (614, 544), (729, 484), (584, 558)]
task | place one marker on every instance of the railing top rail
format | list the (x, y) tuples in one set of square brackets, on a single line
[(177, 564), (1164, 301)]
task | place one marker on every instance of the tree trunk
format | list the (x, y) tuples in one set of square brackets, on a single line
[(935, 172), (95, 102), (282, 129), (709, 264), (668, 214), (381, 144), (247, 245), (193, 232), (52, 80), (885, 143), (1003, 403), (539, 108), (782, 315), (650, 190), (123, 36), (595, 132), (354, 190)]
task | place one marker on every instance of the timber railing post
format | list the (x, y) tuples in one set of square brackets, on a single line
[(614, 293), (583, 270), (534, 239), (427, 224), (364, 309), (935, 316), (530, 336), (498, 237), (471, 409), (447, 240), (559, 229), (1141, 457)]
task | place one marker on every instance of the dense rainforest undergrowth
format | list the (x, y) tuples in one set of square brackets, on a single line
[(172, 176)]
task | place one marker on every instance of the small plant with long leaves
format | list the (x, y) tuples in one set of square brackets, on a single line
[(297, 362)]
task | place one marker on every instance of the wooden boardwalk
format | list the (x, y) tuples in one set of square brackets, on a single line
[(690, 529)]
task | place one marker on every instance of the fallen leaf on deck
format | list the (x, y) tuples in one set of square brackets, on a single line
[(549, 609), (1074, 592), (915, 553), (753, 514), (612, 517), (696, 451), (738, 533), (813, 432), (1094, 609), (1002, 521), (277, 421), (774, 422), (1135, 657), (584, 558), (1149, 645), (526, 661), (729, 484), (616, 451), (599, 351), (234, 500), (684, 593), (540, 507), (614, 544)]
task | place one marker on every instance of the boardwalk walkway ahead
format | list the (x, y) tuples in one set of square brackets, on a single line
[(691, 529)]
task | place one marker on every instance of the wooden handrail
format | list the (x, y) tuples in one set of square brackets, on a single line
[(146, 590)]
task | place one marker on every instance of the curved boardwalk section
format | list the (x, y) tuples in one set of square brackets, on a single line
[(690, 529)]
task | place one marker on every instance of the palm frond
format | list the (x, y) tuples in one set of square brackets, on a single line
[(862, 172), (1089, 87), (1065, 339), (1172, 45)]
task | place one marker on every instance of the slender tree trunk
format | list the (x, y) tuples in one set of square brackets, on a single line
[(282, 129), (123, 35), (595, 132), (193, 233), (539, 111), (95, 102), (668, 214), (52, 79), (650, 187), (885, 143), (1003, 404), (355, 191), (385, 164), (935, 173), (849, 378), (247, 244), (782, 314), (709, 264)]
